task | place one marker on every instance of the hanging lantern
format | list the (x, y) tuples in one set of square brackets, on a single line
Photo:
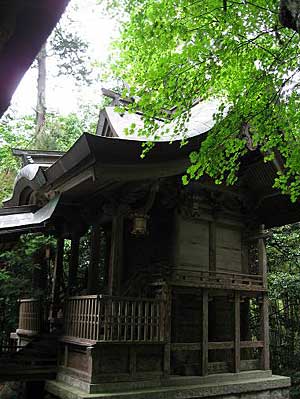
[(139, 227)]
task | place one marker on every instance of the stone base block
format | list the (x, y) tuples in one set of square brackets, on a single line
[(246, 385)]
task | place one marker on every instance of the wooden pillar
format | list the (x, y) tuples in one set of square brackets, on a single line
[(212, 246), (93, 271), (204, 346), (116, 255), (73, 266), (57, 277), (262, 257), (265, 356), (237, 332), (167, 297), (263, 269)]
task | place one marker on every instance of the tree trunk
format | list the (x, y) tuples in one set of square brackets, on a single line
[(41, 90), (289, 14)]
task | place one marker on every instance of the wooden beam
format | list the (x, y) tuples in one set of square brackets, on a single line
[(185, 346), (221, 345), (252, 344), (237, 332), (265, 356), (93, 271), (204, 359), (73, 266)]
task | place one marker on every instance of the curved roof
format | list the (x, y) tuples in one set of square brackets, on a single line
[(200, 122), (29, 179), (97, 165)]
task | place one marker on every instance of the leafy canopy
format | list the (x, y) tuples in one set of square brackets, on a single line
[(171, 53)]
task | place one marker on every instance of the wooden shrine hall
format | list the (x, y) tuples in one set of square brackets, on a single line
[(176, 300)]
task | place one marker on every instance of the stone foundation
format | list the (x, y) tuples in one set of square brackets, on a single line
[(245, 385)]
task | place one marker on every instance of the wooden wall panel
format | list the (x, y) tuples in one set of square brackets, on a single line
[(193, 244), (229, 249)]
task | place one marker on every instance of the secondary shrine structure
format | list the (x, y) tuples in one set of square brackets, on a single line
[(176, 273)]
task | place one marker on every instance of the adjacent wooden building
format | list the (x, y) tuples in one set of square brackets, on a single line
[(175, 303)]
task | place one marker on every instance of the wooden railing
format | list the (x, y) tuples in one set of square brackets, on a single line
[(30, 315), (216, 279), (115, 319), (8, 345)]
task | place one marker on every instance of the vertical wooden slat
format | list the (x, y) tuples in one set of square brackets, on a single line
[(146, 321), (152, 321), (98, 319), (105, 320), (76, 330), (118, 317), (72, 320), (204, 351), (125, 320), (67, 316), (159, 307), (139, 333), (89, 320), (94, 314), (86, 315), (132, 321), (237, 332), (84, 318), (111, 319), (80, 318)]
